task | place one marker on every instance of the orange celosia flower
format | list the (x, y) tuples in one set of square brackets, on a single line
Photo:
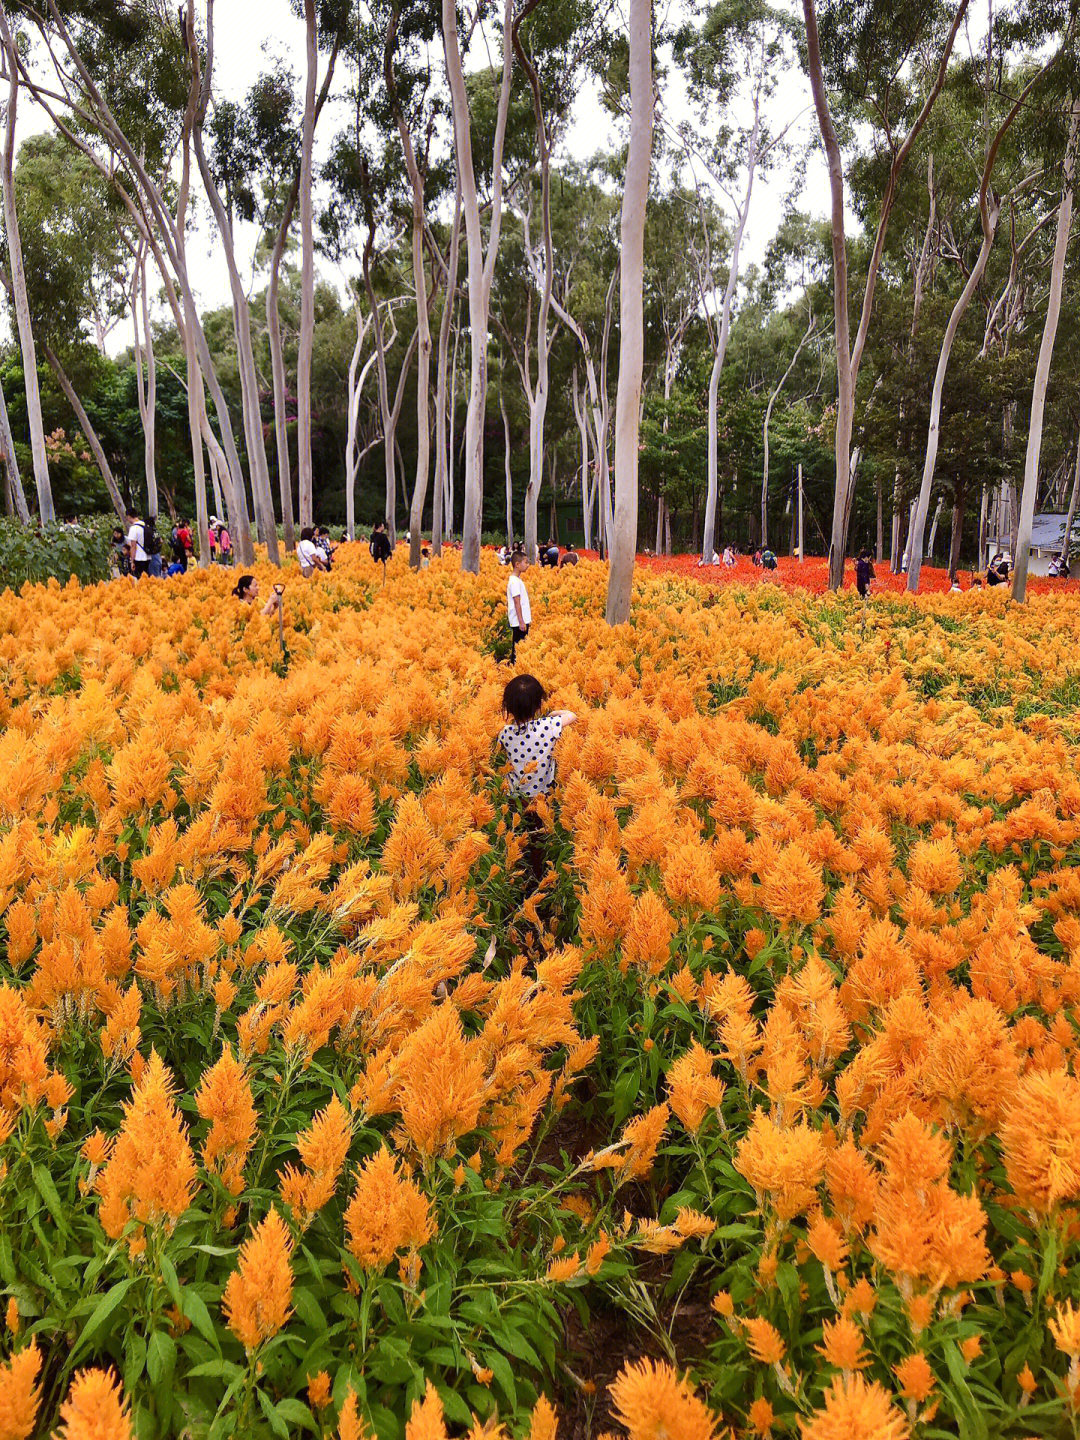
[(760, 1416), (631, 1158), (387, 1214), (426, 1421), (784, 1166), (323, 1147), (1065, 1328), (855, 1410), (350, 1424), (258, 1293), (318, 1390), (1040, 1137), (764, 1340), (652, 1402), (914, 1377), (20, 1395), (224, 1098), (95, 1409), (150, 1175), (692, 1089), (843, 1345), (543, 1424)]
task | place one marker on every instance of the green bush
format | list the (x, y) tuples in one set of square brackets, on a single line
[(35, 554)]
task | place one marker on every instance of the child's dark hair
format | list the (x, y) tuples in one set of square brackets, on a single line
[(240, 589), (523, 698)]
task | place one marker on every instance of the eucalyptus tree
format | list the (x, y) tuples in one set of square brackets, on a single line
[(23, 324), (631, 313), (739, 51), (482, 254), (992, 79), (1046, 347), (862, 51)]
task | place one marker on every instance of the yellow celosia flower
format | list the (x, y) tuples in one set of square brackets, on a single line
[(20, 1395), (855, 1410), (257, 1296), (95, 1409), (387, 1214), (652, 1402)]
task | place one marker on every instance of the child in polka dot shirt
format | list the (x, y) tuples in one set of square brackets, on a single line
[(529, 739)]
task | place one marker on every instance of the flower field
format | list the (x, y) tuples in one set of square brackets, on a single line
[(759, 1116)]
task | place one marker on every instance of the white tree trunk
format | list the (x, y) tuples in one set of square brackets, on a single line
[(356, 385), (709, 535), (150, 402), (848, 356), (509, 478), (933, 530), (307, 271), (481, 266), (442, 455), (42, 482), (249, 385), (765, 433), (10, 461), (1022, 550), (631, 314), (277, 370), (87, 428), (991, 211)]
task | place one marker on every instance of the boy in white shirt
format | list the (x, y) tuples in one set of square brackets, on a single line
[(135, 544), (518, 609)]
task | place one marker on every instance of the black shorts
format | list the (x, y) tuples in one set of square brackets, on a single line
[(140, 568), (518, 634)]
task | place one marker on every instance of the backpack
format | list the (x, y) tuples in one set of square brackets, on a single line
[(151, 539)]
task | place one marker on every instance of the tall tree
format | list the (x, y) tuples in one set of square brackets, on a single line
[(481, 259), (1022, 551), (877, 50), (18, 279), (631, 314)]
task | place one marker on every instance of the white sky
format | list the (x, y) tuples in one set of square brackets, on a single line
[(250, 36)]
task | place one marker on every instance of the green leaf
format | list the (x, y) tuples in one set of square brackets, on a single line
[(46, 1188), (270, 1410), (160, 1357), (216, 1370), (172, 1283), (100, 1316), (194, 1308), (295, 1412), (308, 1309)]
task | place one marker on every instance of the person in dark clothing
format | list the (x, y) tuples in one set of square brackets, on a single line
[(997, 572), (179, 553), (864, 573), (380, 547), (570, 558)]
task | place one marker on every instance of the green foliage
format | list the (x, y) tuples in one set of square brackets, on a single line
[(54, 552)]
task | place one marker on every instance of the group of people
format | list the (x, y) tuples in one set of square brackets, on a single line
[(762, 557), (550, 556)]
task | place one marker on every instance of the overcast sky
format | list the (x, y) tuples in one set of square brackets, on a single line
[(250, 36)]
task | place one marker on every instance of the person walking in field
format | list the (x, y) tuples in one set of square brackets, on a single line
[(518, 609), (380, 547), (864, 573), (528, 740)]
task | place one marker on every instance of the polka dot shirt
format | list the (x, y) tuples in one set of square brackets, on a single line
[(530, 749)]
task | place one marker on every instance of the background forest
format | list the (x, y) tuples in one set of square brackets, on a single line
[(326, 351)]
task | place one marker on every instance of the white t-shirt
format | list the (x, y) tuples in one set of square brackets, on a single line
[(136, 536), (530, 749), (515, 586), (306, 551)]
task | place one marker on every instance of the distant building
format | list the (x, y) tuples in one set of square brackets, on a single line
[(1047, 540)]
